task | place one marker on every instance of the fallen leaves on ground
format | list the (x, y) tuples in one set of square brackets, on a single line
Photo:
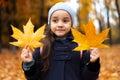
[(10, 65), (110, 63)]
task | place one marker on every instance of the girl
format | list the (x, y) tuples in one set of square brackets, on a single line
[(56, 60)]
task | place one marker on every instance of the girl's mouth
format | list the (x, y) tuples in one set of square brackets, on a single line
[(60, 30)]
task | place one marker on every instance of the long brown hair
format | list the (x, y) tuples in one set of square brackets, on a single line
[(47, 41)]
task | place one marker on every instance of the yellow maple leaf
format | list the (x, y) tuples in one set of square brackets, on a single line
[(80, 39), (28, 37), (90, 39)]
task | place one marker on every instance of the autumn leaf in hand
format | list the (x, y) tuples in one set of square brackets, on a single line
[(80, 39), (90, 39), (28, 37), (95, 40)]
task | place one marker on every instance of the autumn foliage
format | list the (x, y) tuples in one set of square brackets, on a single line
[(10, 66), (90, 39), (110, 63), (28, 37)]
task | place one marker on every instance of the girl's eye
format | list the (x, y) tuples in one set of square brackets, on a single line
[(54, 21), (65, 21)]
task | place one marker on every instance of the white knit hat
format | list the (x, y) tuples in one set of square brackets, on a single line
[(61, 6)]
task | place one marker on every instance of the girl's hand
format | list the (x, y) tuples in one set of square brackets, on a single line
[(26, 54), (94, 55)]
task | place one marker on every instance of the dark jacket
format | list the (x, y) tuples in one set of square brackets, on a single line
[(65, 64)]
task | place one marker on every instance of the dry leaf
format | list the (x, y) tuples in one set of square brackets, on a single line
[(28, 37), (80, 39), (90, 39)]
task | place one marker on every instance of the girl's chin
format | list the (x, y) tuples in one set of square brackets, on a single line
[(60, 35)]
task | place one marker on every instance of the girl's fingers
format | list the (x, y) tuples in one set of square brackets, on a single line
[(94, 51), (94, 55), (26, 57), (29, 51), (26, 54)]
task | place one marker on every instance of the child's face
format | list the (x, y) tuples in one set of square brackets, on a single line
[(60, 23)]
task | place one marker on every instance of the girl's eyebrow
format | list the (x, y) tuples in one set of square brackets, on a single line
[(66, 17), (54, 17)]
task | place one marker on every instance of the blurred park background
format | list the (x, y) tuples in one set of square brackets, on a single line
[(105, 13)]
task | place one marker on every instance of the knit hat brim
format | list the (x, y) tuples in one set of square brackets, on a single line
[(61, 6)]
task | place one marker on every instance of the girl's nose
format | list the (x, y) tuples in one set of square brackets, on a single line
[(60, 24)]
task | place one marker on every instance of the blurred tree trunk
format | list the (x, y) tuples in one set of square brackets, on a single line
[(100, 24), (108, 22), (12, 13), (42, 12), (118, 11), (0, 29), (12, 21)]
